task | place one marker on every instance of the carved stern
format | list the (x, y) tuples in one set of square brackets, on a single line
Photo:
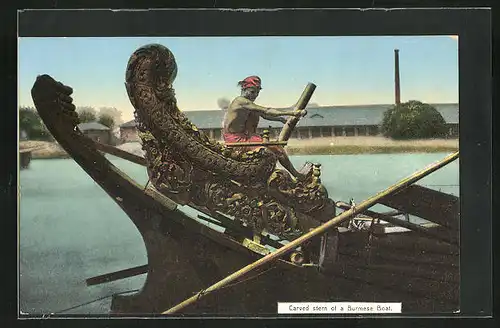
[(187, 166)]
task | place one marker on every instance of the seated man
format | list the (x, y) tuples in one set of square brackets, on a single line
[(242, 118)]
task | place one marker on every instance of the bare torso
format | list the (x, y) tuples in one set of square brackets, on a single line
[(252, 122), (239, 119)]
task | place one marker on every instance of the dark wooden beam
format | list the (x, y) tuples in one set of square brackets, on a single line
[(117, 275), (428, 204), (120, 153), (426, 232)]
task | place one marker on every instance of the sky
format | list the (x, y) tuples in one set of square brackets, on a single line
[(352, 70)]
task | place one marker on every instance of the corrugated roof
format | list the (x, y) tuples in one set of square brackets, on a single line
[(317, 116), (449, 112), (92, 126)]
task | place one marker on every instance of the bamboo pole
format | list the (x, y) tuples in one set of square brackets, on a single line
[(317, 231)]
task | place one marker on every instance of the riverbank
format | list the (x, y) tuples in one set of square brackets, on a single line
[(319, 146), (368, 145), (44, 149)]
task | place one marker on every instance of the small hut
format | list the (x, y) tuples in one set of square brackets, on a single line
[(128, 132), (96, 131)]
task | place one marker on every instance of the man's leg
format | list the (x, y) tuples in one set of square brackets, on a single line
[(282, 157), (285, 162)]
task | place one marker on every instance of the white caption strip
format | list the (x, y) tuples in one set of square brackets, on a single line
[(337, 307)]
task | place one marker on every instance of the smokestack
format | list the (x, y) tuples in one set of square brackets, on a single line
[(396, 77)]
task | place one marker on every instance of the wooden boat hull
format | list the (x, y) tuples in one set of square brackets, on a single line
[(421, 273), (185, 256)]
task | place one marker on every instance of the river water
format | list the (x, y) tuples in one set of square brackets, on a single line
[(71, 230)]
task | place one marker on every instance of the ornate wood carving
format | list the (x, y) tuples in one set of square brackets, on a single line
[(190, 168)]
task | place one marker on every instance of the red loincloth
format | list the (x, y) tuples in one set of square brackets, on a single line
[(242, 137)]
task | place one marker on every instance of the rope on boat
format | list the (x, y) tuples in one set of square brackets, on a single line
[(147, 184), (204, 292), (344, 216), (248, 279)]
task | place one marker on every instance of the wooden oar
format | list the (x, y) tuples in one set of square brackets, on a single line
[(287, 130)]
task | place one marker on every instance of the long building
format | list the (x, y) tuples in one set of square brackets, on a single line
[(326, 121)]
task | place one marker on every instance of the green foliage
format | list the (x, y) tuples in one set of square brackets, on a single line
[(107, 120), (86, 114), (413, 120), (30, 121), (86, 117), (113, 112)]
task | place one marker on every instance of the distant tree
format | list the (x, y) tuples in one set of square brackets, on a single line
[(31, 123), (28, 117), (107, 120), (112, 112), (86, 114), (413, 120)]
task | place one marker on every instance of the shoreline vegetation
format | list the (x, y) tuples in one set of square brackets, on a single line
[(318, 146)]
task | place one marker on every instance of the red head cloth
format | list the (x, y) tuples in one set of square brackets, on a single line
[(251, 81)]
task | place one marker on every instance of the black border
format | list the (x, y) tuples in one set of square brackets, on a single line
[(268, 22), (472, 26)]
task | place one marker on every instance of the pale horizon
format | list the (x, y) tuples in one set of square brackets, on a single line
[(347, 70)]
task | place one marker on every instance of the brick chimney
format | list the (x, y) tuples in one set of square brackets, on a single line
[(396, 77)]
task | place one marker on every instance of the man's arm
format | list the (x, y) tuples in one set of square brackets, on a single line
[(269, 112), (274, 118)]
